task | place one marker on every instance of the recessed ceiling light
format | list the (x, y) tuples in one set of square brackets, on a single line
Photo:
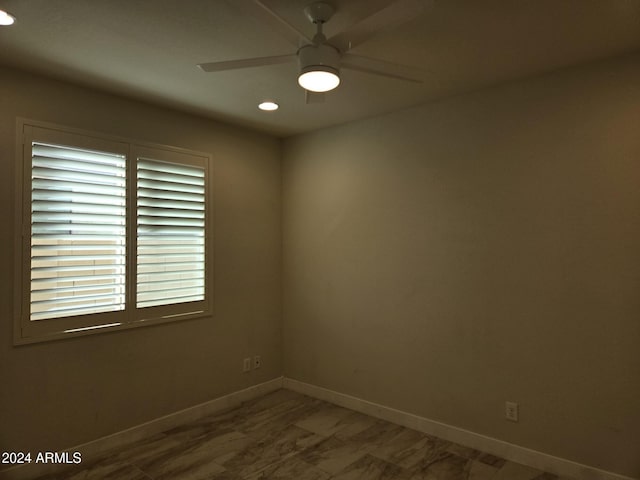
[(268, 106), (6, 18)]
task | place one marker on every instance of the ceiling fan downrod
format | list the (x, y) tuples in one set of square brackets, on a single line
[(319, 13)]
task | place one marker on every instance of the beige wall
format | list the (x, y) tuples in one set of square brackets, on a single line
[(443, 259), (59, 394)]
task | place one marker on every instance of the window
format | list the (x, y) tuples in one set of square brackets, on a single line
[(113, 234)]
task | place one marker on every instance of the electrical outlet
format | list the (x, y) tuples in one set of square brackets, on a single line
[(257, 361), (511, 411), (246, 364)]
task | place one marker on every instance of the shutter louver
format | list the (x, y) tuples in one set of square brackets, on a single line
[(170, 255), (78, 233)]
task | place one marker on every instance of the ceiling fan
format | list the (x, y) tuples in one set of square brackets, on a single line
[(320, 59)]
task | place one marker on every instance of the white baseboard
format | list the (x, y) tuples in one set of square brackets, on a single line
[(98, 447), (508, 451)]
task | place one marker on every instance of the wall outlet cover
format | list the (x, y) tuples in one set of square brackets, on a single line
[(511, 411)]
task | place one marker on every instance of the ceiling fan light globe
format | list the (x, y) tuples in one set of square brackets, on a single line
[(6, 18), (316, 80)]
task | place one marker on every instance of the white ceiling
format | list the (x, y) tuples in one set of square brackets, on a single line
[(149, 49)]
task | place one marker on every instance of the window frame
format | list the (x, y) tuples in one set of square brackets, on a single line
[(27, 331)]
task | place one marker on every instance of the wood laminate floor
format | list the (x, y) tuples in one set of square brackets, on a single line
[(286, 435)]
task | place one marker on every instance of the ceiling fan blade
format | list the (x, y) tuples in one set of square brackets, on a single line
[(246, 63), (313, 97), (259, 10), (394, 14), (379, 67)]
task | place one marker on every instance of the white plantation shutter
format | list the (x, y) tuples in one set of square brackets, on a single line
[(170, 260), (113, 234), (78, 216)]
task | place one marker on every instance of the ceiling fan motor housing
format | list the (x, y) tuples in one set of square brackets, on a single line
[(319, 57)]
